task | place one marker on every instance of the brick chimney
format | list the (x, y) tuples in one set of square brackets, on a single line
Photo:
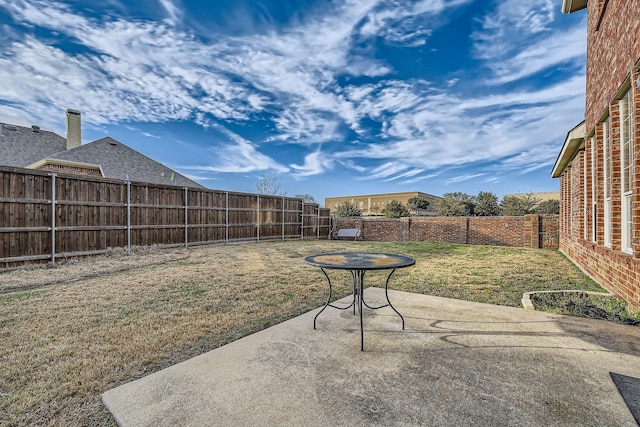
[(74, 138)]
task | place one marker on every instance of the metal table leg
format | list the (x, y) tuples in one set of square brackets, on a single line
[(386, 294), (328, 303), (358, 299)]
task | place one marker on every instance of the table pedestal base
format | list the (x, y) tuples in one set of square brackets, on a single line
[(358, 299)]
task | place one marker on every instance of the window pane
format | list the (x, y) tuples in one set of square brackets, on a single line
[(626, 134), (607, 182), (629, 221), (607, 158)]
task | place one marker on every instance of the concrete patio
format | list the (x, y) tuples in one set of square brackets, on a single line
[(456, 363)]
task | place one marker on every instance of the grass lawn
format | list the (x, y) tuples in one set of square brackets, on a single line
[(72, 331)]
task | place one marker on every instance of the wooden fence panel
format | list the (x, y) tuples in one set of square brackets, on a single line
[(25, 216), (243, 217), (206, 216), (44, 216), (270, 217)]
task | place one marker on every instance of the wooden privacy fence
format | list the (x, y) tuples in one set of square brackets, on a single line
[(44, 216)]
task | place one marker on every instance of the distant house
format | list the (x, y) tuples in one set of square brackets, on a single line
[(33, 148), (373, 204), (599, 163)]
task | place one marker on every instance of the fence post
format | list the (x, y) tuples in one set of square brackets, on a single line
[(258, 218), (226, 218), (302, 222), (283, 218), (128, 215), (53, 218), (318, 224), (186, 217)]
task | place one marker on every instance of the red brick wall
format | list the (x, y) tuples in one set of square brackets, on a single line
[(550, 226), (576, 193), (614, 270), (618, 272), (530, 231), (383, 230), (440, 229), (612, 49)]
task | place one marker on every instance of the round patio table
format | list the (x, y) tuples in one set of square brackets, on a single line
[(358, 263)]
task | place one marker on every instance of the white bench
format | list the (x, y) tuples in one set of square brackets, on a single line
[(350, 232)]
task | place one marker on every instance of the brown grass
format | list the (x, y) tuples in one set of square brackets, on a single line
[(70, 332)]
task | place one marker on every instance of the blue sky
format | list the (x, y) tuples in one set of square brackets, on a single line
[(335, 97)]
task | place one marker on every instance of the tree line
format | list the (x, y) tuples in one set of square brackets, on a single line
[(484, 203)]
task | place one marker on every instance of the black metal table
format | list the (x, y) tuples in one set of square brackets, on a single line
[(358, 263)]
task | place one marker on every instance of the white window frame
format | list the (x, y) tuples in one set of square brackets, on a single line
[(594, 192), (606, 140), (585, 193), (626, 171)]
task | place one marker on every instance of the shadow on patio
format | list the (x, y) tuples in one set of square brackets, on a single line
[(457, 363)]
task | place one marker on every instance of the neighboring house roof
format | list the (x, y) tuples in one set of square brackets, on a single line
[(570, 6), (26, 147), (21, 146), (572, 144), (119, 161)]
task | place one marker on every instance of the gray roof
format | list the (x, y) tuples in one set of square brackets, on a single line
[(22, 147), (119, 161)]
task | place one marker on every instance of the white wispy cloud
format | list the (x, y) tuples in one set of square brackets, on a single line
[(350, 164), (448, 130), (386, 170), (409, 24), (173, 9), (129, 71), (546, 54), (315, 163), (461, 178), (518, 40), (235, 158), (512, 22)]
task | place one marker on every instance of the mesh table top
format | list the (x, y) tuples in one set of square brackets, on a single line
[(359, 261)]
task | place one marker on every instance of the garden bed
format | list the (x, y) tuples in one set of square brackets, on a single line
[(594, 305)]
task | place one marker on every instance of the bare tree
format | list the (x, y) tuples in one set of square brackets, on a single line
[(307, 198), (270, 184)]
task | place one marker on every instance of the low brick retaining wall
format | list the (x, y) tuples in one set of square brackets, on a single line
[(529, 231)]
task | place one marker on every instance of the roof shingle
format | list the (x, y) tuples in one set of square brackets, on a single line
[(21, 146)]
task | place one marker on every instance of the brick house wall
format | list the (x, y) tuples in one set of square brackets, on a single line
[(613, 59), (529, 231), (612, 49)]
